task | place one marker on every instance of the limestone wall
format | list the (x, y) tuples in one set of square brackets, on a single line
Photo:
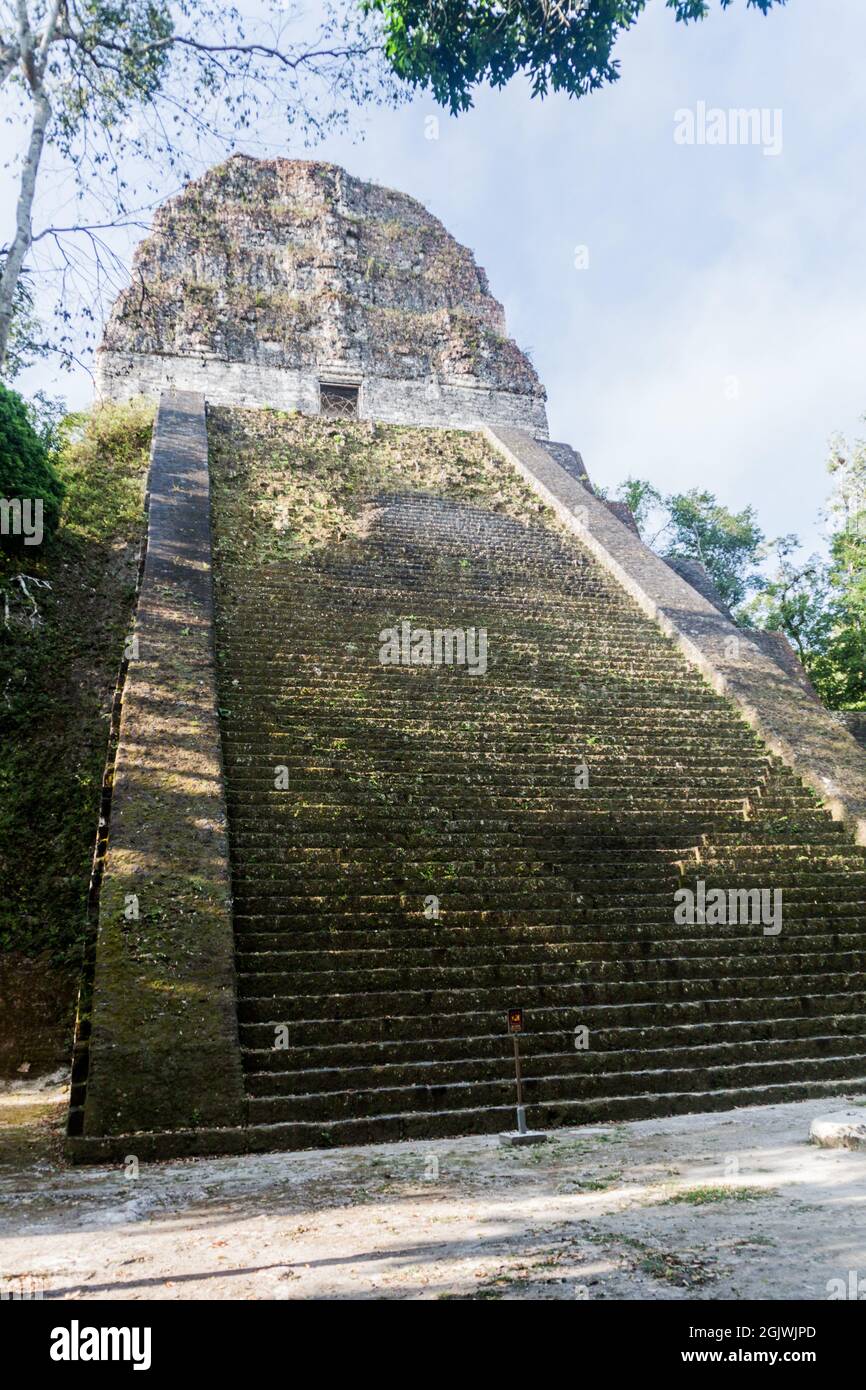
[(163, 1050), (451, 405), (266, 276)]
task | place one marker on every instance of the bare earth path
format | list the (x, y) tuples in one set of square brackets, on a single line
[(722, 1206)]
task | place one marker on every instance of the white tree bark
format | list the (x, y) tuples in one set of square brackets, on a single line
[(33, 61)]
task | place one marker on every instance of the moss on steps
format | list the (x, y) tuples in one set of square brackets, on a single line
[(404, 782)]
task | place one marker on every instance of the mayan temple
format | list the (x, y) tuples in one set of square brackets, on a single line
[(290, 284), (416, 731)]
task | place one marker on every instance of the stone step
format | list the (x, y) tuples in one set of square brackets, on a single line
[(662, 870), (572, 1069), (269, 977), (533, 941), (561, 909), (651, 1018), (811, 1034), (414, 1126), (613, 994), (256, 960), (411, 781), (506, 879), (543, 1091)]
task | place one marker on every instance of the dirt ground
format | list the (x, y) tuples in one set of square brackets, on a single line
[(723, 1206)]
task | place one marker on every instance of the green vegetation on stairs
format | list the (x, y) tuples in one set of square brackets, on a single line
[(416, 849)]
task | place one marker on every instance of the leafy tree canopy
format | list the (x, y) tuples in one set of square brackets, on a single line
[(450, 46), (694, 525), (846, 650), (26, 470), (818, 602), (129, 96), (728, 544)]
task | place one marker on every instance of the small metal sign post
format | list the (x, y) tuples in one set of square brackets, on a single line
[(521, 1135), (515, 1028)]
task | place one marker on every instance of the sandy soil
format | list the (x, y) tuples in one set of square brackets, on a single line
[(729, 1206)]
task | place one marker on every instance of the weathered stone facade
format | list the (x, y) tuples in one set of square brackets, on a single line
[(267, 278)]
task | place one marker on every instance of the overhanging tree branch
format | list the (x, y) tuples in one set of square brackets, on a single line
[(106, 82), (33, 61)]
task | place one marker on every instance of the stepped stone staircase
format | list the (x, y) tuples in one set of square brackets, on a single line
[(431, 857)]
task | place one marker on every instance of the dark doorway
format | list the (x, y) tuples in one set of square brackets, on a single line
[(339, 402)]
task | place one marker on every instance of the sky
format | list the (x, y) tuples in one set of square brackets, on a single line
[(697, 311)]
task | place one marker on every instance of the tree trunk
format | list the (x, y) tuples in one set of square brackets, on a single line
[(23, 238)]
